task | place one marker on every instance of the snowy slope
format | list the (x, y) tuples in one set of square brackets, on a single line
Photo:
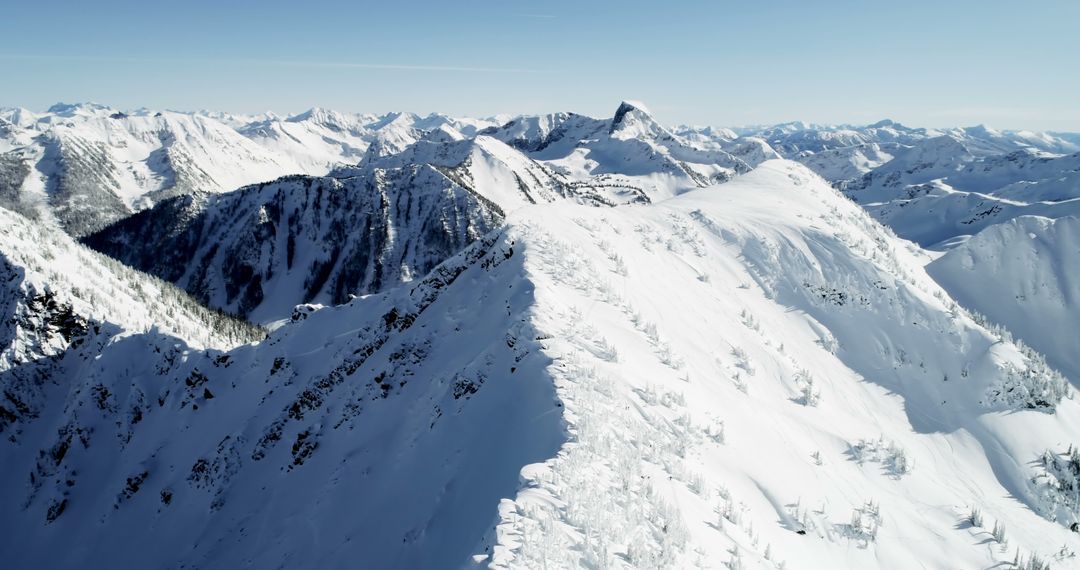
[(41, 259), (746, 374), (57, 295), (362, 419), (808, 377), (1024, 274)]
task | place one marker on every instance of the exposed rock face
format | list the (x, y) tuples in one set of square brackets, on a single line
[(259, 251)]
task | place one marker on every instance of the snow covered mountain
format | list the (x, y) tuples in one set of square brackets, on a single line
[(259, 251), (88, 165), (630, 150), (937, 187), (320, 140), (938, 191), (750, 374), (849, 162), (794, 139), (941, 187), (1026, 273), (841, 153), (542, 341)]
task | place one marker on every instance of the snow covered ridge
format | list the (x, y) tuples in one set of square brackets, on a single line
[(754, 374)]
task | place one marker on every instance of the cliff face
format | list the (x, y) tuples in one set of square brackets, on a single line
[(262, 250)]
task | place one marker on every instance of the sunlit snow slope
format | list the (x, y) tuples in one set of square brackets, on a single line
[(756, 360), (1024, 273)]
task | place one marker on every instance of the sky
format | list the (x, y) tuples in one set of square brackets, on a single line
[(933, 63)]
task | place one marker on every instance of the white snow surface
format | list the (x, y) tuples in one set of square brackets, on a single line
[(1026, 273)]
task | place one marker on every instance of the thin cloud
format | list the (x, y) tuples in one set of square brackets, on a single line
[(539, 16), (353, 65), (274, 63)]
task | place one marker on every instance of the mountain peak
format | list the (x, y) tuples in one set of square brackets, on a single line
[(982, 130), (626, 107), (318, 115), (72, 108), (633, 118), (303, 116), (444, 134)]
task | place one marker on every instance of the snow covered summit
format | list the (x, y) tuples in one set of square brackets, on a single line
[(633, 120)]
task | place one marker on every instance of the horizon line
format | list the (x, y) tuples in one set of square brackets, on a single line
[(809, 125)]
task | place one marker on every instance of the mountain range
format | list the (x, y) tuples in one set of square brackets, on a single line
[(339, 340)]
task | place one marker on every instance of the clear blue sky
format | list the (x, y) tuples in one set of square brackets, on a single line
[(720, 62)]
